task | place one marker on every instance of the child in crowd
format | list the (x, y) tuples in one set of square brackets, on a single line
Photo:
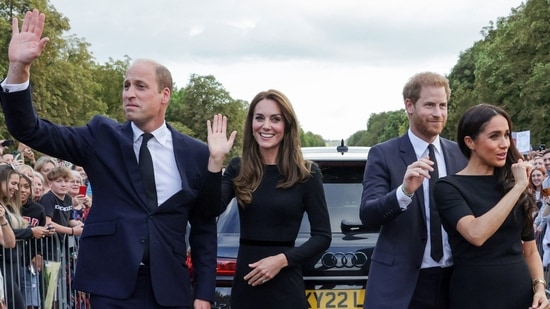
[(58, 204)]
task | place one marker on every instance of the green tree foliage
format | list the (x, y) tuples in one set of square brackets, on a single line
[(110, 77), (174, 114), (203, 97), (462, 82), (62, 78), (358, 138), (381, 127), (510, 68), (310, 139)]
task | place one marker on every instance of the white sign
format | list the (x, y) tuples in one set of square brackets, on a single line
[(522, 140)]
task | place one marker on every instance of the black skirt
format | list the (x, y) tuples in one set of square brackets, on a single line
[(286, 290)]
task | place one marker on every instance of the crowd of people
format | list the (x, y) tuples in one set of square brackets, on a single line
[(40, 198), (539, 188)]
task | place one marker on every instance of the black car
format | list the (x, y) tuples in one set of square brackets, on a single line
[(336, 278)]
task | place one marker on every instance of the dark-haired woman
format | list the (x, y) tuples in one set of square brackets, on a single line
[(488, 214)]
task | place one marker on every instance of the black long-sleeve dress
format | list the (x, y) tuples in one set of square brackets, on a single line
[(494, 275), (269, 226)]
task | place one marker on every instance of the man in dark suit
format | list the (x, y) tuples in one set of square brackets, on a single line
[(403, 273), (133, 250)]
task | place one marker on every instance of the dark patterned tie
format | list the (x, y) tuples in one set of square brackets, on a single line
[(435, 221), (147, 172)]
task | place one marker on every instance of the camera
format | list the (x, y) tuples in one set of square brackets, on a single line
[(542, 147)]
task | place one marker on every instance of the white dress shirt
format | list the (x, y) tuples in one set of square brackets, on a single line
[(167, 176)]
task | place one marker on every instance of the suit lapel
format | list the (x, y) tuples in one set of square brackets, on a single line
[(451, 158), (180, 154)]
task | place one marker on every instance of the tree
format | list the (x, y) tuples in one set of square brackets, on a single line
[(62, 80), (509, 68), (174, 114), (462, 83), (358, 138), (381, 127), (110, 77), (202, 98), (310, 139)]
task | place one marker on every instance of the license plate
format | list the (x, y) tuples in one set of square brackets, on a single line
[(341, 299)]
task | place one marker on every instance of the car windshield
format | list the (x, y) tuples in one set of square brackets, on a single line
[(342, 181)]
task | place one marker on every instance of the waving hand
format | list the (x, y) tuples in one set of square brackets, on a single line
[(25, 46)]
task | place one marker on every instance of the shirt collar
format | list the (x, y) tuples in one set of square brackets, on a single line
[(420, 146), (161, 134)]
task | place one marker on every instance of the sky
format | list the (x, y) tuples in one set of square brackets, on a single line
[(337, 61)]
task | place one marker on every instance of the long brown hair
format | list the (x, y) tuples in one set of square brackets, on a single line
[(290, 162), (471, 124), (11, 204)]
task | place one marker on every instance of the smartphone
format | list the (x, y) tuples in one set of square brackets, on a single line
[(8, 143), (82, 190)]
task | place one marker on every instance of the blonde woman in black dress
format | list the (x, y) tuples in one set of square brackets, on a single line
[(488, 214)]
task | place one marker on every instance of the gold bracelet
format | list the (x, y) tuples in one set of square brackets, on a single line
[(537, 281)]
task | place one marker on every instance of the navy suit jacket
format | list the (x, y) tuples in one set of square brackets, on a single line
[(120, 220), (397, 257)]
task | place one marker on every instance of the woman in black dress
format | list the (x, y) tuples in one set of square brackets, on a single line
[(274, 187), (488, 214)]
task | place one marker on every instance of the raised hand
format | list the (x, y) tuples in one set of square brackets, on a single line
[(218, 142), (25, 45), (415, 174), (522, 170)]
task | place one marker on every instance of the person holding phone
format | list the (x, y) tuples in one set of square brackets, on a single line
[(85, 181), (81, 201)]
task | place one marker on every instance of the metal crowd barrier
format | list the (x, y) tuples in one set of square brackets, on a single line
[(37, 274), (540, 246)]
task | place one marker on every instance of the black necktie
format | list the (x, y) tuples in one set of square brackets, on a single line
[(147, 172), (435, 221)]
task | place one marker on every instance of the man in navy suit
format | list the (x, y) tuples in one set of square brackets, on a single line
[(133, 250), (403, 273)]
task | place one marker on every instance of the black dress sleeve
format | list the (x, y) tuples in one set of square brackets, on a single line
[(317, 211), (451, 204)]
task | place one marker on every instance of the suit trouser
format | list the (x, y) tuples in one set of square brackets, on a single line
[(142, 297), (432, 289)]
